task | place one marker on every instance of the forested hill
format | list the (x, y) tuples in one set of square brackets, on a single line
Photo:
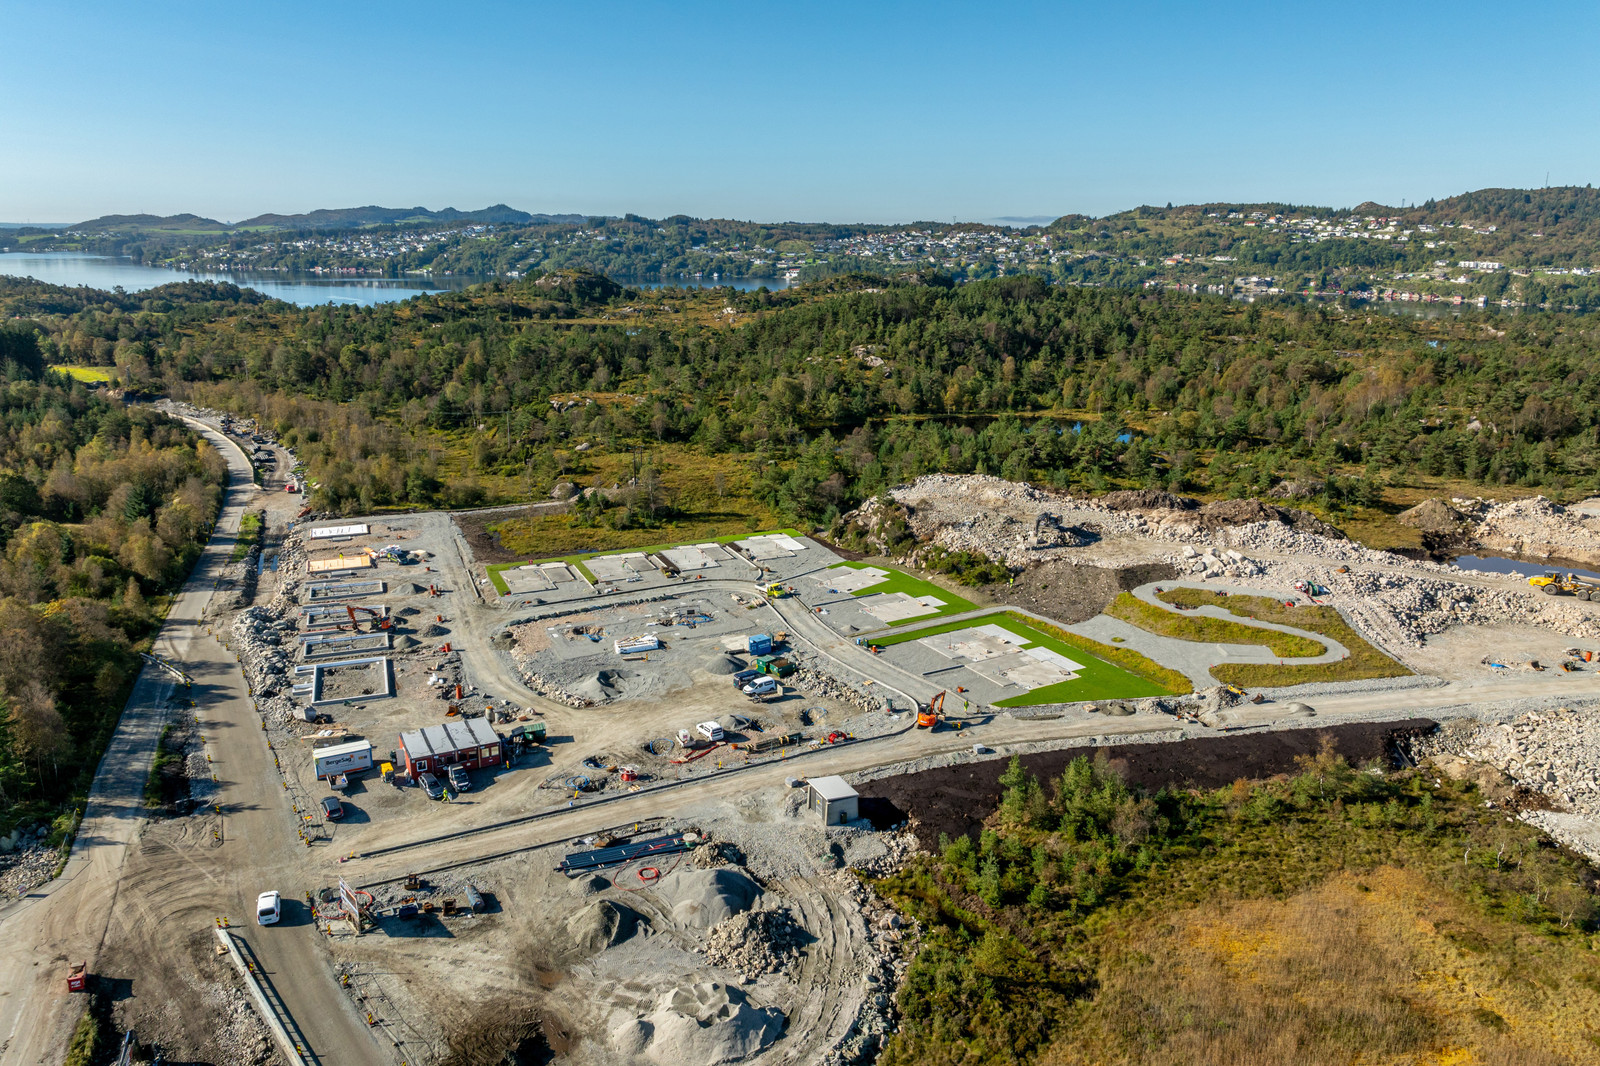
[(102, 512), (833, 391)]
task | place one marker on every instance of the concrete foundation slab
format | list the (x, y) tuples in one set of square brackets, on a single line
[(891, 607)]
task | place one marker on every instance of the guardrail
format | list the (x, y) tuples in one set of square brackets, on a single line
[(268, 1003)]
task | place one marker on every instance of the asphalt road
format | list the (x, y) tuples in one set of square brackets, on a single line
[(75, 916)]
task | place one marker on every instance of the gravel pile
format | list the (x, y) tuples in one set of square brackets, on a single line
[(756, 942)]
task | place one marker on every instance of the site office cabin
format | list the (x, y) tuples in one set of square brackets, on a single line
[(470, 743)]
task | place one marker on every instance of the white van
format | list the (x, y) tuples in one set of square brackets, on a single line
[(762, 686), (269, 908), (712, 731)]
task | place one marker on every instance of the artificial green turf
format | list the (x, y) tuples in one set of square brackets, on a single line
[(1098, 680), (900, 581), (577, 560)]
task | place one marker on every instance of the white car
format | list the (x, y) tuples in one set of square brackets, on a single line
[(269, 908), (712, 731), (761, 687)]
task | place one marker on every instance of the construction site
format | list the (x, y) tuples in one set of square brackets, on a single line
[(621, 804)]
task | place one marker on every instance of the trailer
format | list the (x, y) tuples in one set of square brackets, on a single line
[(336, 759)]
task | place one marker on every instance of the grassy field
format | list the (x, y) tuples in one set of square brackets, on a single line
[(1328, 918), (84, 373), (900, 581), (577, 559), (1365, 661), (1099, 679), (1153, 619)]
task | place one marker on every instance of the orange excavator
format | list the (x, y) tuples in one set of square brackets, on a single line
[(378, 620), (929, 718)]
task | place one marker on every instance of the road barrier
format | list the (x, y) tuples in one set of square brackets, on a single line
[(273, 1014)]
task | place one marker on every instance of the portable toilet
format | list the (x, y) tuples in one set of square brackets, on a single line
[(834, 800), (759, 644)]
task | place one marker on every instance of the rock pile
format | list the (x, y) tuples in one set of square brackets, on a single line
[(1536, 528), (1556, 753), (756, 942), (258, 639), (817, 684), (26, 868), (880, 526)]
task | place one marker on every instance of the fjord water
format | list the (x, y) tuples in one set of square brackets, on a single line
[(109, 272), (306, 289)]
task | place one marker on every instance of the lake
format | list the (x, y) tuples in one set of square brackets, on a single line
[(109, 272)]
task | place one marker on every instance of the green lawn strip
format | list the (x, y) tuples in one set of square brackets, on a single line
[(900, 581), (1153, 619), (1365, 660), (577, 560), (249, 533), (1132, 675)]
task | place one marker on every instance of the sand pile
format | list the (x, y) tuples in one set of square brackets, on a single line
[(702, 898), (703, 1023), (405, 643), (602, 924), (435, 630)]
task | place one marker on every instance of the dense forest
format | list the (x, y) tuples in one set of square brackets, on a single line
[(834, 391), (103, 509)]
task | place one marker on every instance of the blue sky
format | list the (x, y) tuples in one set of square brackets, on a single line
[(810, 111)]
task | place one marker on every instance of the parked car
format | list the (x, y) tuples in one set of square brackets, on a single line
[(744, 677), (431, 786), (332, 808), (761, 687), (459, 779), (712, 731), (269, 908)]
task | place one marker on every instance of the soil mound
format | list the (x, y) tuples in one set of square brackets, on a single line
[(1433, 516), (723, 664), (702, 898), (955, 799), (599, 688), (415, 590), (1147, 500), (406, 643), (435, 630), (602, 924), (1070, 592), (1223, 513)]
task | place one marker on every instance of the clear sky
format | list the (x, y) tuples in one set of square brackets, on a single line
[(820, 111)]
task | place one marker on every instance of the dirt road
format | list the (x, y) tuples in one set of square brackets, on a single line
[(126, 904)]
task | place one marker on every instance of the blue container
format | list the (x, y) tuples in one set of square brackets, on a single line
[(760, 644)]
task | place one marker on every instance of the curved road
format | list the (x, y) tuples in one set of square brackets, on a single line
[(90, 907)]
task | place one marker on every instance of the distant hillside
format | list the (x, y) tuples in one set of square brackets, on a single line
[(1532, 210), (186, 222), (347, 217), (326, 218)]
